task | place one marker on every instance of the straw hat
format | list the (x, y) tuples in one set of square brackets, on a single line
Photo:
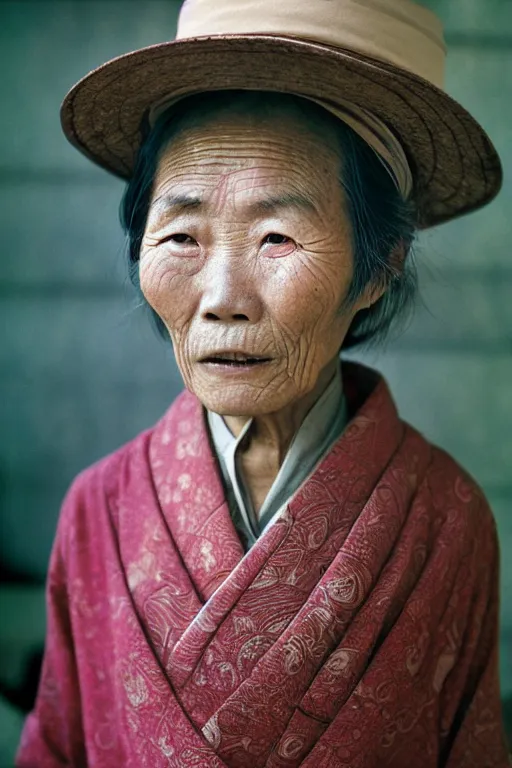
[(384, 56)]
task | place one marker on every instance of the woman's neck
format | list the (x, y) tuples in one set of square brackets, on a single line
[(267, 442)]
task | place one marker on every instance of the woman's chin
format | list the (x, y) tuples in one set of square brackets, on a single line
[(242, 395), (240, 401)]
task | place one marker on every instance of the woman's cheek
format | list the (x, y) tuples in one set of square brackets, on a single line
[(151, 271), (167, 290), (308, 293)]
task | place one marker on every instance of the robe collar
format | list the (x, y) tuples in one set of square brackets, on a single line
[(321, 427)]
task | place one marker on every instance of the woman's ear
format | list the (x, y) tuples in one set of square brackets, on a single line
[(375, 291), (372, 293)]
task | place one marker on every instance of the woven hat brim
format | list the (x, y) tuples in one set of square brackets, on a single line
[(455, 167)]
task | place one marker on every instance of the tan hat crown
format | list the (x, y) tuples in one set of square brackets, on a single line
[(400, 32)]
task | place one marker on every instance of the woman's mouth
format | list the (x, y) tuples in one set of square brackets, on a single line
[(234, 361)]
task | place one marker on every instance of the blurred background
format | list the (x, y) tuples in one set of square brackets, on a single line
[(81, 370)]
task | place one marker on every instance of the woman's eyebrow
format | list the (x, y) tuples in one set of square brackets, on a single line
[(178, 203)]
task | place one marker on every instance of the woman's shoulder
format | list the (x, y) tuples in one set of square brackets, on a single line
[(92, 501), (105, 474), (112, 471)]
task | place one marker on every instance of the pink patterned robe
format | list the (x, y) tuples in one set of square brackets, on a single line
[(360, 630)]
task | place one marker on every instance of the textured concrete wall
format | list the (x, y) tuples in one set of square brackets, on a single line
[(80, 368)]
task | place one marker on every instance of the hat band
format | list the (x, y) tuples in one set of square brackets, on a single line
[(372, 130)]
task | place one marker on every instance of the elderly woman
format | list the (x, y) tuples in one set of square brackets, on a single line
[(281, 572)]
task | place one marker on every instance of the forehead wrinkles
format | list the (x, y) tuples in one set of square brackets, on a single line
[(248, 186), (237, 160)]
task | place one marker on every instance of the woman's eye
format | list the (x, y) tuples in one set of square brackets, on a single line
[(278, 245), (275, 239), (181, 238)]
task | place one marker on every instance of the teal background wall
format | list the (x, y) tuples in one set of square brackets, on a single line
[(80, 368)]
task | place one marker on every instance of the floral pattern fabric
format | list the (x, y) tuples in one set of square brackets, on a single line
[(360, 631)]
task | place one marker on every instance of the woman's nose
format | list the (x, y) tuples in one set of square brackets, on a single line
[(230, 293)]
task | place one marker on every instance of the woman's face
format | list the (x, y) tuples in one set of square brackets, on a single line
[(247, 258)]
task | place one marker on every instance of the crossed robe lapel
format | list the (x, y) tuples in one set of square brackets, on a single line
[(244, 620), (288, 560), (248, 633)]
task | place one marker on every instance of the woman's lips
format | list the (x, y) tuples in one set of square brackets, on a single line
[(234, 363)]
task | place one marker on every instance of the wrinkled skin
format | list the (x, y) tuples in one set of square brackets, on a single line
[(260, 262)]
